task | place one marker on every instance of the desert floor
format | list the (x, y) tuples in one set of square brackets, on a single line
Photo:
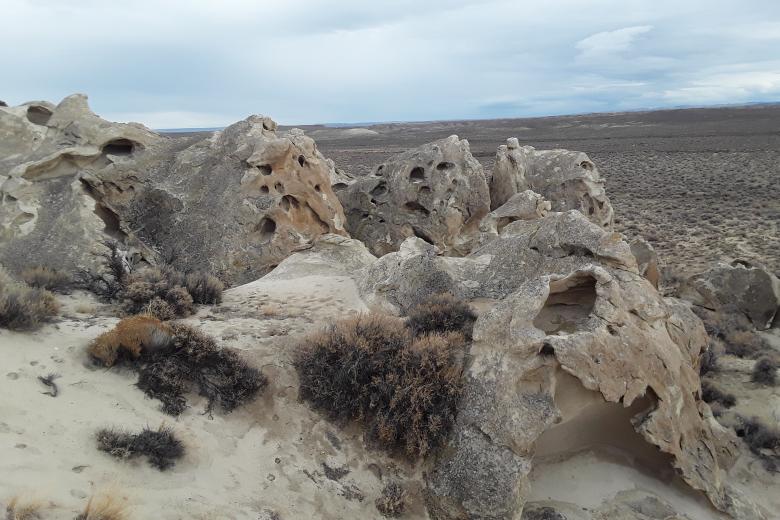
[(700, 184)]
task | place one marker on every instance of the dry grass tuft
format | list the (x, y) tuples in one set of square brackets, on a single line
[(23, 307), (47, 278), (204, 288), (371, 369), (441, 313), (106, 507), (23, 509)]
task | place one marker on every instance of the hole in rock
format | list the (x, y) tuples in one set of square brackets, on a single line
[(379, 169), (264, 189), (289, 202), (417, 174), (38, 115), (595, 452), (279, 187), (317, 188), (568, 306), (444, 166), (419, 233), (547, 350), (339, 186), (416, 206), (379, 190), (424, 190), (586, 165), (266, 228), (265, 169), (301, 160), (118, 147)]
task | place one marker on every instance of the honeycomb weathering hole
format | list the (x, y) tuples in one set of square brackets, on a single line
[(444, 166), (266, 228), (265, 169), (568, 306), (38, 115), (119, 147), (417, 174)]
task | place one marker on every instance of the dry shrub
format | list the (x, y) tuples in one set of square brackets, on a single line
[(105, 507), (712, 393), (404, 390), (763, 441), (392, 502), (195, 360), (764, 371), (23, 509), (174, 359), (709, 362), (161, 447), (23, 307), (129, 339), (441, 313), (165, 284), (109, 281), (47, 278), (745, 344), (204, 288)]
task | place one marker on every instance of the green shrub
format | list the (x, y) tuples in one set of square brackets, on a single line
[(403, 389)]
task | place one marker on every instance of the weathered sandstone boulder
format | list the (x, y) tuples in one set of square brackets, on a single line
[(569, 180), (436, 192), (646, 259), (235, 203), (526, 205), (576, 340), (747, 288)]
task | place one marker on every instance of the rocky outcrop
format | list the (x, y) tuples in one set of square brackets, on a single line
[(739, 286), (646, 259), (436, 192), (570, 305), (569, 180), (235, 203)]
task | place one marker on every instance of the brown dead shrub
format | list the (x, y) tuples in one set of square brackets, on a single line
[(23, 509), (392, 502), (105, 507), (204, 288), (47, 278), (129, 339), (23, 307), (404, 390), (441, 313)]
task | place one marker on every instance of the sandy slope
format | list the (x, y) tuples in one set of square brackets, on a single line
[(267, 456)]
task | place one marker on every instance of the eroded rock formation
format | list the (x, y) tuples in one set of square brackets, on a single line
[(436, 192), (570, 301), (569, 180), (740, 286), (235, 203)]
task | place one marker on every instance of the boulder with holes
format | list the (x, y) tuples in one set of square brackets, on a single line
[(569, 180), (436, 192), (235, 203), (740, 285), (574, 348)]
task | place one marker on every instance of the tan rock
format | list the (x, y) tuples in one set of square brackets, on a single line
[(569, 180)]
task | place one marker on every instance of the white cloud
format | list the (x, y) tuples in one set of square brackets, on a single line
[(605, 43), (203, 63)]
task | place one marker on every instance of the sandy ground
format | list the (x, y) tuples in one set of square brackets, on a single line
[(265, 457)]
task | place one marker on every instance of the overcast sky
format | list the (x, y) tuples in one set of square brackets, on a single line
[(209, 63)]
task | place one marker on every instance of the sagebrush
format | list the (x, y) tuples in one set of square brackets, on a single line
[(161, 447), (47, 278), (23, 307), (370, 368), (441, 313), (174, 359)]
